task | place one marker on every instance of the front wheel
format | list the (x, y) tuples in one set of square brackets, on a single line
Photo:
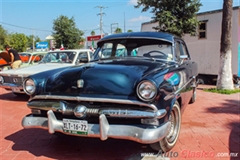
[(168, 142)]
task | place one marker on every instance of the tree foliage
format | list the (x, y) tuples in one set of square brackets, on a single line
[(93, 33), (118, 30), (65, 32), (30, 40), (130, 30), (3, 37), (18, 41), (174, 16)]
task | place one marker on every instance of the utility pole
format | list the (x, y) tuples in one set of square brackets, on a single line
[(124, 23), (112, 27), (33, 46), (101, 14)]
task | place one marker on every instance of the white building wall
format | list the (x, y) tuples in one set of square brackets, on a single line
[(206, 52)]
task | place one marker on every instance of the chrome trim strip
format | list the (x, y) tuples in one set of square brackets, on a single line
[(103, 130), (173, 94), (133, 113), (91, 99), (62, 107)]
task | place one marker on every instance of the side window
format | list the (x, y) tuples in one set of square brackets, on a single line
[(177, 50), (184, 49), (134, 52), (91, 55), (37, 58), (82, 55), (121, 51), (106, 50)]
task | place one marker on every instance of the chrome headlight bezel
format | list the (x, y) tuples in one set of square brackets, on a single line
[(29, 86), (1, 80), (140, 88)]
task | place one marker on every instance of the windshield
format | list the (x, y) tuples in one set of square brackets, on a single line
[(132, 48), (59, 57)]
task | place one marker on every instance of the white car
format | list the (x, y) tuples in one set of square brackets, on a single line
[(13, 79)]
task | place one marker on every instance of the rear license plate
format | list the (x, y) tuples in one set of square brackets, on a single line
[(75, 126)]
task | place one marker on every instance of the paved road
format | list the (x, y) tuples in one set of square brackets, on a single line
[(210, 130)]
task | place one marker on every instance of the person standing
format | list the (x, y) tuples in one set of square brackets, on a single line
[(14, 56)]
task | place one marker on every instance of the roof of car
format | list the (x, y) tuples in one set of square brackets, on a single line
[(33, 53), (146, 35), (75, 50)]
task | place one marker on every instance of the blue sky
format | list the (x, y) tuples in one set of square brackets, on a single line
[(36, 16)]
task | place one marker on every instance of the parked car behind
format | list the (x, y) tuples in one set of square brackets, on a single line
[(12, 79), (137, 95), (28, 58)]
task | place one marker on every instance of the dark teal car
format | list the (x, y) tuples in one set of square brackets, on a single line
[(135, 88)]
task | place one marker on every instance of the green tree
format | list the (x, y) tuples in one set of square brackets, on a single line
[(30, 40), (3, 37), (174, 16), (224, 80), (130, 30), (93, 33), (82, 42), (18, 41), (66, 32), (118, 30)]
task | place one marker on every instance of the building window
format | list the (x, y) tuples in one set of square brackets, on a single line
[(202, 30)]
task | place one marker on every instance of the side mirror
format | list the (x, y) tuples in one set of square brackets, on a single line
[(183, 57)]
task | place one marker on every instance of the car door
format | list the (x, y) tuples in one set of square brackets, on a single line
[(185, 70)]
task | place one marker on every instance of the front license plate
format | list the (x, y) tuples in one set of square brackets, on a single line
[(15, 89), (75, 126)]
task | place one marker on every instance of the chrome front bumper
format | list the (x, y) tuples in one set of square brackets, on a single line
[(13, 87), (103, 130)]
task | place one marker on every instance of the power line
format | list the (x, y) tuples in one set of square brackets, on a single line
[(25, 27), (101, 14)]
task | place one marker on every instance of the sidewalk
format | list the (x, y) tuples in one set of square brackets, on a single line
[(210, 130)]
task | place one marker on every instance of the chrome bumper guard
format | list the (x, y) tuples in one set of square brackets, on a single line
[(103, 130)]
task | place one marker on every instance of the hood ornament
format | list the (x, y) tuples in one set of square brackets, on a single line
[(80, 83)]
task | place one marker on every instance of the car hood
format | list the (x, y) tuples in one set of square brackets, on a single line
[(26, 71), (109, 77)]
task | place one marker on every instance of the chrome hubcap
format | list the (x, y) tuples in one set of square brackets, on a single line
[(173, 131)]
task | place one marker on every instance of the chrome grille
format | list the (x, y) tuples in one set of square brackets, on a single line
[(13, 80)]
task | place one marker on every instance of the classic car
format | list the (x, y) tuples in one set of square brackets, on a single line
[(13, 79), (28, 58), (138, 95)]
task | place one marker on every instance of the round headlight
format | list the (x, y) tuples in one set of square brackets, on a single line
[(29, 86), (146, 90), (1, 80)]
